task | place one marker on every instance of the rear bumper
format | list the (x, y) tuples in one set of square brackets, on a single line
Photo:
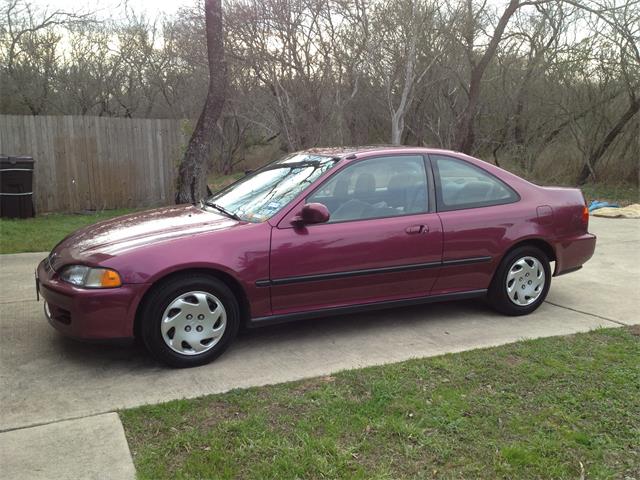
[(89, 314), (573, 252)]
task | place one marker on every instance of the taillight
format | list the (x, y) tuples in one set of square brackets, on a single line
[(585, 216)]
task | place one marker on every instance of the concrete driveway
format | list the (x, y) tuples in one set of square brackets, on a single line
[(45, 378)]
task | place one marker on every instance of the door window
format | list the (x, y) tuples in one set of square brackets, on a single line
[(376, 188), (463, 185)]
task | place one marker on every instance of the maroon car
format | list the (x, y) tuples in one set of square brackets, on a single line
[(320, 232)]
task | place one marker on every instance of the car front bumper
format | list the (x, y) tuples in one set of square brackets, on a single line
[(88, 314)]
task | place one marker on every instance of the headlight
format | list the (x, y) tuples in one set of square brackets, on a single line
[(83, 276)]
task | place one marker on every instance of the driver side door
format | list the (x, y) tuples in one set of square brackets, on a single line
[(383, 241)]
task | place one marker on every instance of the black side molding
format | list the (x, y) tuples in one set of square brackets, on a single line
[(369, 271), (465, 261), (350, 273), (363, 307)]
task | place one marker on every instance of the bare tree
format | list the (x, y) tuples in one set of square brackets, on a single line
[(192, 173), (29, 52), (524, 82), (404, 47), (465, 129), (622, 37)]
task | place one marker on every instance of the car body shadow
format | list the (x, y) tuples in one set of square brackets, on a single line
[(132, 355)]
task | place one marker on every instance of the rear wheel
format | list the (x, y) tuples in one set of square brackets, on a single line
[(521, 282), (189, 320)]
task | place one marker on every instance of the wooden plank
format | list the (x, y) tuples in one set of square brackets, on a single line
[(131, 158), (146, 183), (127, 154), (98, 159), (132, 162), (106, 163), (73, 160), (175, 154), (41, 170), (62, 170), (116, 188), (155, 188), (88, 151), (161, 159), (82, 163), (46, 167), (171, 137), (21, 136)]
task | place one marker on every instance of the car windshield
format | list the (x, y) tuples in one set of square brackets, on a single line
[(260, 195)]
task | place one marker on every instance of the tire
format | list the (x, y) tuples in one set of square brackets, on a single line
[(513, 288), (189, 320)]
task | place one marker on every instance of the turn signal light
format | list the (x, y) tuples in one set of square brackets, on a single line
[(585, 215), (110, 279)]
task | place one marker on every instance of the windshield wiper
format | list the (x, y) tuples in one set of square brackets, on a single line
[(223, 210)]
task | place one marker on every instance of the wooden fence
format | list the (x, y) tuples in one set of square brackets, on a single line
[(95, 163)]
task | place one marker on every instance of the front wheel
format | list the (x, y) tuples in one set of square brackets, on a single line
[(189, 320), (521, 282)]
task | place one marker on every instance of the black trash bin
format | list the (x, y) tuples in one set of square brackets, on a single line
[(16, 187)]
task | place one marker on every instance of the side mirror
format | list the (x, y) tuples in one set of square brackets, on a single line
[(312, 213)]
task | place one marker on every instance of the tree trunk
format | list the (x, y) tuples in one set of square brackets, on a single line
[(465, 134), (397, 115), (192, 173), (397, 127), (597, 154)]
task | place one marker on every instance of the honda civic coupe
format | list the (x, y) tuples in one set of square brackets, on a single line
[(317, 233)]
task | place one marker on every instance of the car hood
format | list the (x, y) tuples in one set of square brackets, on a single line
[(104, 240)]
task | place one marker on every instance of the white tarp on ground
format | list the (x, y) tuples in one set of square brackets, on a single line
[(630, 211)]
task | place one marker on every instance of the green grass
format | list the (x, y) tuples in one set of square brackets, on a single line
[(564, 407), (41, 233)]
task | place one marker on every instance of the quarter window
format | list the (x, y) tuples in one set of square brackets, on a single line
[(376, 188), (463, 185)]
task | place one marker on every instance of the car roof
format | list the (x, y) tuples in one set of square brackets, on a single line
[(353, 152)]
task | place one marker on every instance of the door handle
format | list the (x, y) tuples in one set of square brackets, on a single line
[(417, 229)]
